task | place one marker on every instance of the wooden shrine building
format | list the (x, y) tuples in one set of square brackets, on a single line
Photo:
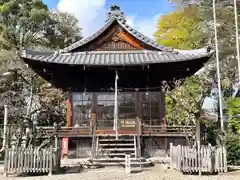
[(87, 69)]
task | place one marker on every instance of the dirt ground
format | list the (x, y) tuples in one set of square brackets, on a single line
[(158, 172)]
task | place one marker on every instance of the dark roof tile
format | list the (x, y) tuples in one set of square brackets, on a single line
[(116, 58)]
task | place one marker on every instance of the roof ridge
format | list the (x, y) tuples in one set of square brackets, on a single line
[(204, 50), (113, 52)]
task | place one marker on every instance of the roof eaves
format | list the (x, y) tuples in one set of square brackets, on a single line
[(159, 56)]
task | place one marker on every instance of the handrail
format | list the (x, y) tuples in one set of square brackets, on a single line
[(154, 129), (61, 128), (167, 129), (143, 128), (171, 126)]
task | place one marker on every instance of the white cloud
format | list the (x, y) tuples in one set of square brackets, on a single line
[(146, 26), (92, 15)]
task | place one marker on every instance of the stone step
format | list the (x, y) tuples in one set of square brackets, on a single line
[(114, 144), (119, 154), (133, 164), (118, 149), (117, 159), (116, 140)]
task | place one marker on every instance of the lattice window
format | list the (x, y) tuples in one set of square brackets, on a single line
[(105, 110), (81, 108), (151, 108), (126, 101)]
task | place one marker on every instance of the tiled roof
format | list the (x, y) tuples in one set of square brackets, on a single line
[(116, 15), (116, 58)]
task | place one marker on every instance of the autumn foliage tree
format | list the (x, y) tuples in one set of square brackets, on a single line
[(180, 29)]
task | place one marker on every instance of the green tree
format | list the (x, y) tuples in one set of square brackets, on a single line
[(29, 24), (22, 23), (180, 29), (184, 102), (233, 111), (63, 31), (226, 33), (227, 54)]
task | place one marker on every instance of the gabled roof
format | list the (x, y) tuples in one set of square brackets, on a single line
[(115, 15), (160, 54), (117, 58)]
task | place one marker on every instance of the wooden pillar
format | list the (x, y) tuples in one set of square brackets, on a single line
[(94, 110), (162, 114), (69, 124), (162, 109), (93, 124), (138, 110)]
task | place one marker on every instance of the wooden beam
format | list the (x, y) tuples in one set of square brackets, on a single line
[(130, 40)]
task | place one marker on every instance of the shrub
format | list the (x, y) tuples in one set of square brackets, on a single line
[(232, 142)]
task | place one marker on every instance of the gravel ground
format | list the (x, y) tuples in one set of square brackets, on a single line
[(158, 172)]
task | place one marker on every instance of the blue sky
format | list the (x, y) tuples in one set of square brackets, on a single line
[(141, 14), (142, 7)]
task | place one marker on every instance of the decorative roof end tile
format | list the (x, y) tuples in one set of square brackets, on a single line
[(116, 13), (209, 48)]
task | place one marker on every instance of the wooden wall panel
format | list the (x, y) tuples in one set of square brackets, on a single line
[(114, 39)]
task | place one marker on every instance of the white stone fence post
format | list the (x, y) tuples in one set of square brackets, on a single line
[(128, 163)]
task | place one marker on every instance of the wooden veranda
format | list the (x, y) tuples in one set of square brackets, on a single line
[(168, 131)]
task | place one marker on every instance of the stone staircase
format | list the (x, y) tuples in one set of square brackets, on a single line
[(111, 151)]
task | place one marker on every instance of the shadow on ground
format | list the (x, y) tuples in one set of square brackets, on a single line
[(62, 170)]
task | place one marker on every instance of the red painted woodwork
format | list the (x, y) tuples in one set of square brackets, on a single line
[(64, 148), (129, 39), (69, 124)]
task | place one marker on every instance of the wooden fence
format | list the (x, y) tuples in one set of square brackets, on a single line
[(189, 160), (19, 160)]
